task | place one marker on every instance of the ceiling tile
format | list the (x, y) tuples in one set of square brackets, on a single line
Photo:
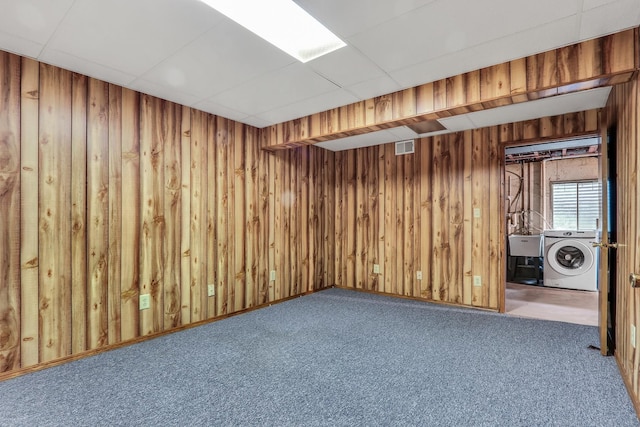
[(376, 87), (403, 132), (325, 101), (346, 18), (590, 4), (440, 28), (147, 31), (280, 88), (359, 141), (457, 123), (346, 67), (33, 20), (219, 110), (164, 92), (561, 104), (223, 58), (256, 122), (82, 66), (20, 46), (535, 40), (610, 18)]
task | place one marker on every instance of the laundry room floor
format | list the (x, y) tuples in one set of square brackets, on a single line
[(563, 305)]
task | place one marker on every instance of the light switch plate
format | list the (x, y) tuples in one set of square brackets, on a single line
[(211, 290), (376, 268), (419, 275), (477, 281)]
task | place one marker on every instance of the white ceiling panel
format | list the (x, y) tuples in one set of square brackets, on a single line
[(14, 44), (286, 86), (535, 40), (346, 18), (590, 4), (223, 58), (569, 103), (32, 20), (345, 67), (131, 36), (165, 92), (440, 28), (84, 66), (220, 110), (359, 141), (609, 18), (403, 132), (325, 101), (375, 87)]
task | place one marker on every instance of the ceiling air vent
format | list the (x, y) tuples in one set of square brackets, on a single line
[(404, 147)]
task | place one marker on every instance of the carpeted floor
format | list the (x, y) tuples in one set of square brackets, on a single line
[(337, 358)]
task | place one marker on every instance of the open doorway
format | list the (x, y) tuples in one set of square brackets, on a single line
[(553, 205)]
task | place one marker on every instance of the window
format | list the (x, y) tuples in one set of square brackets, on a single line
[(576, 205)]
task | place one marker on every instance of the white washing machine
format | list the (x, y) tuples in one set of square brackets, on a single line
[(570, 260)]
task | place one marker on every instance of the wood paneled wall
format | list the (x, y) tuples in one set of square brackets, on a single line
[(623, 112), (438, 211), (107, 194), (599, 62)]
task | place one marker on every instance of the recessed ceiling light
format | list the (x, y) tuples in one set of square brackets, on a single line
[(282, 23)]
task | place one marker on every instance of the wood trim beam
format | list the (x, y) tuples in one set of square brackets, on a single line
[(594, 63)]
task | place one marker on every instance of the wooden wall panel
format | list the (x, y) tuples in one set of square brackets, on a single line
[(97, 213), (440, 213), (54, 208), (107, 194), (131, 227), (29, 271), (115, 214), (9, 212), (172, 216)]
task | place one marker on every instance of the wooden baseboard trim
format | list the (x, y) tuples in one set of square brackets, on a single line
[(66, 359), (627, 383)]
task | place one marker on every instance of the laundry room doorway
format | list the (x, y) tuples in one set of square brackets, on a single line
[(553, 193)]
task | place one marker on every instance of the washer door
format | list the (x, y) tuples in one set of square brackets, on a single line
[(570, 257)]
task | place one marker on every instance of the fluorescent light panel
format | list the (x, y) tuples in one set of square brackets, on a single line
[(282, 23)]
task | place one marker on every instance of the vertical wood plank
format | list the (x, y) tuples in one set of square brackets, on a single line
[(222, 215), (426, 207), (360, 231), (380, 221), (114, 213), (185, 218), (54, 207), (252, 204), (29, 172), (390, 220), (10, 68), (238, 218), (172, 149), (351, 212), (339, 257), (212, 222), (198, 214), (152, 211), (98, 214), (467, 240), (408, 230), (79, 212), (131, 226)]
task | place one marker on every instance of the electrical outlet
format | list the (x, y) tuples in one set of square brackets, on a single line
[(633, 336), (476, 212), (419, 275), (211, 290), (477, 280), (272, 276), (145, 301), (376, 268)]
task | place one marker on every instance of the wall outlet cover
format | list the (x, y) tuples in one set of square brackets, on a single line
[(211, 290), (145, 301)]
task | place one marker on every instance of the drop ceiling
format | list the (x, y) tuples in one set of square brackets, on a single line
[(183, 51)]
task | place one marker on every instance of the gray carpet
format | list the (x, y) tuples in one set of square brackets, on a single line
[(337, 358)]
